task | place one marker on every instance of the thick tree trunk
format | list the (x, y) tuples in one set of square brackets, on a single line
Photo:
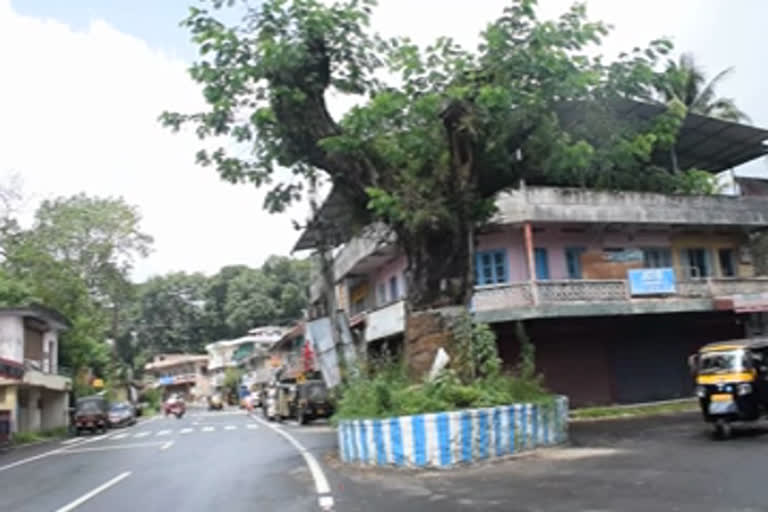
[(439, 279)]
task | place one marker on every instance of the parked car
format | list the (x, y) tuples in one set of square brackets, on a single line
[(91, 414), (121, 414)]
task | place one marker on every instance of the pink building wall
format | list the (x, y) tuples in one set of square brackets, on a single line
[(395, 268), (510, 238), (556, 241)]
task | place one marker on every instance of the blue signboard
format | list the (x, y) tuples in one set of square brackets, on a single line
[(165, 381), (652, 281)]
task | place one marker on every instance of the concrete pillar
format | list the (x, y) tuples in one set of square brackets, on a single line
[(33, 410), (528, 236)]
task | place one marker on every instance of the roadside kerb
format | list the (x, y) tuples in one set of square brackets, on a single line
[(449, 439)]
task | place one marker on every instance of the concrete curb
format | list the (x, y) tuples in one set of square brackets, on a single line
[(445, 440)]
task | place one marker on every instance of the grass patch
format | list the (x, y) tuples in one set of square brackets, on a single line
[(623, 411), (21, 438)]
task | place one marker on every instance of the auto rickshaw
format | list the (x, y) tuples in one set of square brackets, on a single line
[(731, 382)]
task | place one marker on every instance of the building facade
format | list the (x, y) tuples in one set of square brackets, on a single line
[(34, 393), (184, 374), (614, 289), (248, 353)]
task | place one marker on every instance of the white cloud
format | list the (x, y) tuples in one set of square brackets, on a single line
[(78, 112)]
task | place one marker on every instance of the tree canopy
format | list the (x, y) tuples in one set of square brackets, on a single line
[(438, 131), (684, 80)]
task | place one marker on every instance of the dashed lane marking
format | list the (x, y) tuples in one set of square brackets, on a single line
[(163, 432), (230, 427), (186, 430), (208, 429)]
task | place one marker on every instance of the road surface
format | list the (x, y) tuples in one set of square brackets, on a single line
[(229, 462)]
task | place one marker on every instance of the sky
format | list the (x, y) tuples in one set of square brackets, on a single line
[(83, 82)]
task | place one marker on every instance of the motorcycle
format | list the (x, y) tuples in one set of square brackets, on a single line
[(176, 407)]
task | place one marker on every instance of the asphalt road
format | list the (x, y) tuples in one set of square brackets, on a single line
[(205, 461), (230, 462)]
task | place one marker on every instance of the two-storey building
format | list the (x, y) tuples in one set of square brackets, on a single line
[(614, 289), (185, 374), (34, 395), (248, 353)]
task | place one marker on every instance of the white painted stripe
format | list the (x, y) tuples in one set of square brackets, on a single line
[(141, 434), (370, 442), (163, 433), (167, 445), (109, 447), (73, 440), (321, 482), (85, 497), (326, 503), (122, 435), (433, 449), (230, 427), (387, 441), (208, 429), (251, 426), (505, 430), (454, 422), (357, 438), (186, 430), (406, 431)]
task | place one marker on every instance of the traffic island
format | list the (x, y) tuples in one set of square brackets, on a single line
[(450, 439)]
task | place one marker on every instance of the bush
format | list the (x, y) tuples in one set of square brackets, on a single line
[(474, 379)]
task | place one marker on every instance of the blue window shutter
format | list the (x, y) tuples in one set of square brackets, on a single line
[(542, 263), (505, 256), (478, 270)]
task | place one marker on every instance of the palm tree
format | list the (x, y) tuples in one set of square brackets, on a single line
[(685, 81)]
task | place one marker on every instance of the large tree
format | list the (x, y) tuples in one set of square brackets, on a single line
[(686, 81), (75, 258), (437, 132)]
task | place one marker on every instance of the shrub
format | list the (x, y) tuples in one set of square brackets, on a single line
[(474, 379)]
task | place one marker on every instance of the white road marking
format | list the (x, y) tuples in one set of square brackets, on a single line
[(73, 440), (252, 426), (109, 447), (163, 433), (230, 427), (187, 430), (122, 435), (167, 445), (85, 497), (195, 422), (80, 440), (321, 482), (208, 429), (326, 503), (141, 434)]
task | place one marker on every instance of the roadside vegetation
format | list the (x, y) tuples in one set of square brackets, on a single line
[(21, 438), (623, 411), (474, 378)]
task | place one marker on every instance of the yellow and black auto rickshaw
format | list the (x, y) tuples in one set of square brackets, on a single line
[(731, 382)]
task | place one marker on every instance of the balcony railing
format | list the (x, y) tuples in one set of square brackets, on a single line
[(514, 295)]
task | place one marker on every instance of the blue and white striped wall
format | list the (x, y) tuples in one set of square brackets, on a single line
[(442, 440)]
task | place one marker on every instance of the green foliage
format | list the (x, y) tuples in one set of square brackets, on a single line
[(474, 379), (683, 80), (231, 382), (20, 438), (153, 397)]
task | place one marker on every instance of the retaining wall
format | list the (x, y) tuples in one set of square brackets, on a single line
[(443, 440)]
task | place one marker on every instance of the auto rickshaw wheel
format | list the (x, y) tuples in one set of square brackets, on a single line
[(301, 417), (723, 429)]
